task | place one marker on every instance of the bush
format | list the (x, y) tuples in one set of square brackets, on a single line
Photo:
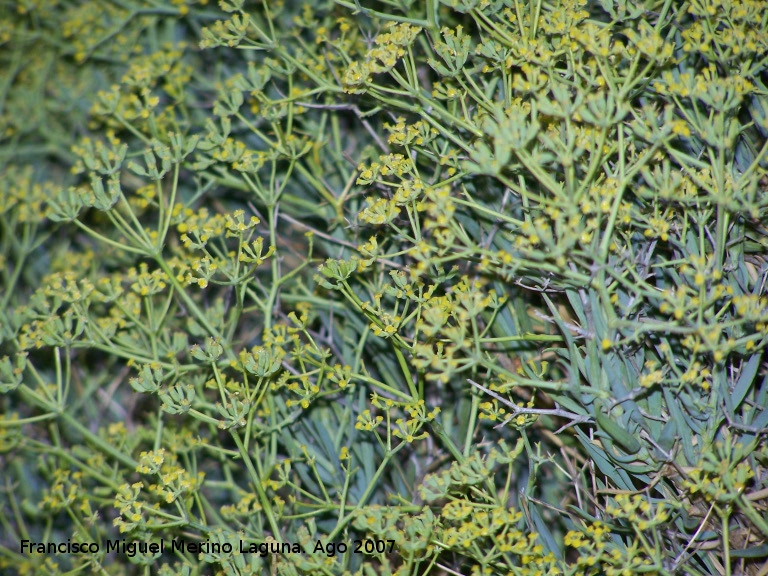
[(471, 287)]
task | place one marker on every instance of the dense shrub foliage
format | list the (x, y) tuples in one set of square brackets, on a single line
[(396, 287)]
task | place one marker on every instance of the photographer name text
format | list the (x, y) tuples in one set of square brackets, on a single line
[(131, 548)]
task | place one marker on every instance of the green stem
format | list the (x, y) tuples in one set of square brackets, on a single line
[(256, 480)]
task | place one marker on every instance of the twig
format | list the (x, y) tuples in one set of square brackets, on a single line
[(580, 332), (682, 556), (516, 410), (330, 238)]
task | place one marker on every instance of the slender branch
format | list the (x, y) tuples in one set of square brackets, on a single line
[(517, 410)]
